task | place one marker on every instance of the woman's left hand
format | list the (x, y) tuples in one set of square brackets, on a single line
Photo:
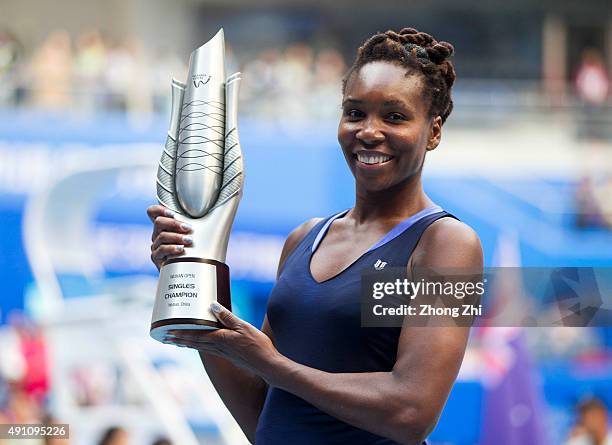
[(241, 343)]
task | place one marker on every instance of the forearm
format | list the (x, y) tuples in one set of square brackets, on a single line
[(242, 392), (375, 401)]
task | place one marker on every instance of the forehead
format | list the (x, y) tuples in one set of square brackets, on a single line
[(386, 79)]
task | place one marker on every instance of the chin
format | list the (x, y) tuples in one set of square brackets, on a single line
[(372, 184), (381, 183)]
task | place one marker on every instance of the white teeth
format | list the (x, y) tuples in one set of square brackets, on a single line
[(372, 158)]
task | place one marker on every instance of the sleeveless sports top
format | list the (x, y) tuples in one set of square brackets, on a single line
[(319, 325)]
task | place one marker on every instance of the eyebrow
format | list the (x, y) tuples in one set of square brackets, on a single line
[(387, 103), (394, 102), (352, 101)]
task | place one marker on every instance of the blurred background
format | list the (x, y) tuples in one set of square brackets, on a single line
[(526, 160)]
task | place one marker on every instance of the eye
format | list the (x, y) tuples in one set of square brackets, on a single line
[(353, 114), (396, 117)]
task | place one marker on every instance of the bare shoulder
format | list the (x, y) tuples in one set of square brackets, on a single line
[(448, 242), (294, 239), (291, 243)]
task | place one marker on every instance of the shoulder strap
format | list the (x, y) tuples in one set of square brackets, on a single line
[(400, 249), (307, 241)]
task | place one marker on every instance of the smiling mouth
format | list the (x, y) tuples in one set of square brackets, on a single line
[(372, 158)]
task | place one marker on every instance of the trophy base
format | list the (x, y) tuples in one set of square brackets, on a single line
[(160, 329), (186, 288)]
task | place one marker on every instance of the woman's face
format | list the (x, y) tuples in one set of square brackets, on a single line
[(385, 128)]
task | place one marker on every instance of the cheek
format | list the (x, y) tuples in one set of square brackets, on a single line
[(345, 135), (409, 144), (416, 138)]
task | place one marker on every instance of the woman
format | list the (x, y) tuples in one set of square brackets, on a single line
[(313, 375)]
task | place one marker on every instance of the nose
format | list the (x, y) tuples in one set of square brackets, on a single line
[(369, 133)]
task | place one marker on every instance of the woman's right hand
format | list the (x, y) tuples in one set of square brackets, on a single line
[(169, 235)]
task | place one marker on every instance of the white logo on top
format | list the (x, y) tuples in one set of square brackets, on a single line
[(379, 264)]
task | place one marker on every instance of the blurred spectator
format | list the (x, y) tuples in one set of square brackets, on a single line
[(593, 200), (117, 76), (294, 85), (10, 52), (167, 66), (22, 408), (128, 79), (261, 86), (327, 94), (591, 426), (114, 435), (23, 373), (89, 65), (295, 78), (12, 362), (51, 71), (564, 343), (95, 384), (592, 86), (139, 93), (35, 379), (23, 358)]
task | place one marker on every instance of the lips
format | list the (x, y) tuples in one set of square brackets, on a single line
[(372, 158)]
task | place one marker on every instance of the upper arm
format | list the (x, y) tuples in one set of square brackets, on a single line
[(429, 358), (291, 243)]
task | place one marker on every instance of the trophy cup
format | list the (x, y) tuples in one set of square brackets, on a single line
[(200, 178)]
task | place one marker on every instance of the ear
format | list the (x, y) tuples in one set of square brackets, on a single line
[(435, 133)]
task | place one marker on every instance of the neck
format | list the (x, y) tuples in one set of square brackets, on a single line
[(398, 202)]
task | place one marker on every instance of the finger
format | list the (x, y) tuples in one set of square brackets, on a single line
[(165, 224), (183, 341), (195, 344), (193, 333), (226, 318), (164, 251), (206, 337), (171, 238), (203, 347), (178, 332), (158, 210)]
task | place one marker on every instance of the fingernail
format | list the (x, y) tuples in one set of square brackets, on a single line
[(180, 248), (187, 239), (169, 213), (186, 226), (215, 307)]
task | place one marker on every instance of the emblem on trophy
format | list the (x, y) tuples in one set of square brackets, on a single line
[(200, 177)]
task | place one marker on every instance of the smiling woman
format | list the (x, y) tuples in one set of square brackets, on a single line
[(384, 131), (313, 374)]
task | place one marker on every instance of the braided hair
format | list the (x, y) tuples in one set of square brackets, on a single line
[(419, 53)]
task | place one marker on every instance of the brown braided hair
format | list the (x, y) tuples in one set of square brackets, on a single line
[(419, 53)]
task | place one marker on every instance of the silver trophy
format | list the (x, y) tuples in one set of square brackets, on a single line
[(200, 178)]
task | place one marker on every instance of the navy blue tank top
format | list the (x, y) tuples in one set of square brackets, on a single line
[(319, 325)]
